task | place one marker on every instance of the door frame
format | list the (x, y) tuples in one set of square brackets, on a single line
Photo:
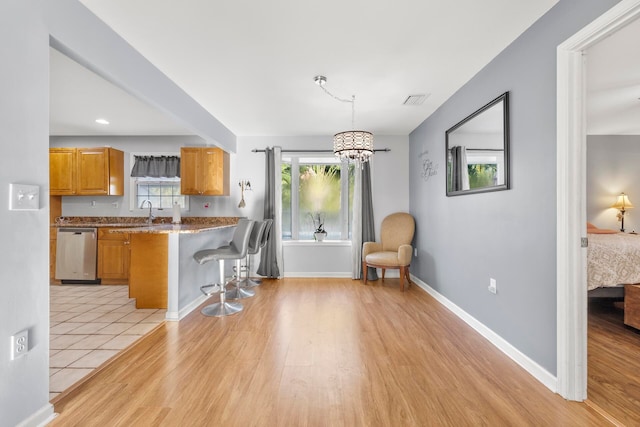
[(571, 197)]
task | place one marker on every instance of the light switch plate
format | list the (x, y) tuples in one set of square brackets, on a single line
[(23, 197)]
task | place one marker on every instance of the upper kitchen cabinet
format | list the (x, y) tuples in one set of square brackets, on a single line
[(204, 171), (86, 171), (62, 171)]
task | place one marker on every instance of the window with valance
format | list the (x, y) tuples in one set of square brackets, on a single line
[(157, 178)]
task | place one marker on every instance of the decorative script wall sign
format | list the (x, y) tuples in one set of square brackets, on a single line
[(429, 168)]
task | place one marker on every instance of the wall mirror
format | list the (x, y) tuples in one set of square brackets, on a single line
[(478, 150)]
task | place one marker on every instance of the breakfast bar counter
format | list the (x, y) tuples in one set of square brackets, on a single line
[(163, 273), (161, 270)]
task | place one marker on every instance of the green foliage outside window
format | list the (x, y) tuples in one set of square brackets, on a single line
[(319, 193), (482, 175)]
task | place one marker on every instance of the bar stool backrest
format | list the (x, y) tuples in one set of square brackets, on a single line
[(240, 241), (256, 236)]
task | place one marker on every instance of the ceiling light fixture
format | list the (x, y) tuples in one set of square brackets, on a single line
[(353, 144), (102, 121)]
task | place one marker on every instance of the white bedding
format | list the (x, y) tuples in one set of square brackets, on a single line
[(613, 260)]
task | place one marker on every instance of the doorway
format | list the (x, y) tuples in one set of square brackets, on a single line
[(571, 198)]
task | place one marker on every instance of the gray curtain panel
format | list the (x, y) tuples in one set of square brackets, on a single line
[(456, 176), (268, 259), (459, 171), (156, 166), (368, 226)]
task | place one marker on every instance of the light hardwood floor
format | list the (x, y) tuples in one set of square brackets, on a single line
[(319, 352), (614, 363)]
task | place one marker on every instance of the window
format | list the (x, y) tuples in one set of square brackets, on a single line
[(162, 192), (485, 168), (316, 191)]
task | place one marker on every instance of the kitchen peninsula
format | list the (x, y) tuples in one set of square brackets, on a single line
[(163, 273)]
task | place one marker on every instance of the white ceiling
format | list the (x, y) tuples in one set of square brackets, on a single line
[(251, 65), (613, 82), (78, 97)]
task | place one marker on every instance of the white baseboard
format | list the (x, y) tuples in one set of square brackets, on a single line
[(41, 418), (538, 372), (305, 274), (174, 316)]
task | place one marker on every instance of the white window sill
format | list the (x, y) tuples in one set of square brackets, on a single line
[(314, 243)]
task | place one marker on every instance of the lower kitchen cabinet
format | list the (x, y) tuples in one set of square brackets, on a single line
[(53, 243), (113, 257)]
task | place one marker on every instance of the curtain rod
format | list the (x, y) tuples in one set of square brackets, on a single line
[(256, 150)]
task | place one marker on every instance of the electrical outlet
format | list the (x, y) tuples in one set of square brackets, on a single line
[(19, 344), (492, 286), (415, 252), (115, 205)]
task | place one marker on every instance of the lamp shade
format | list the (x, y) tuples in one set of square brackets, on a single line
[(622, 202), (353, 145)]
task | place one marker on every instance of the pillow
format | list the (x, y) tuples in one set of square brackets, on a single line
[(589, 226), (601, 231)]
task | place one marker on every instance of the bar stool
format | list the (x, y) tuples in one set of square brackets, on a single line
[(236, 250), (242, 285)]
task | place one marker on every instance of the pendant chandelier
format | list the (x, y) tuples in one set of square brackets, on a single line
[(353, 144)]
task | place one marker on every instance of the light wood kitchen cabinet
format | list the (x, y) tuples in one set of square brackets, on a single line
[(53, 240), (62, 171), (204, 171), (55, 210), (113, 257), (86, 171), (149, 283)]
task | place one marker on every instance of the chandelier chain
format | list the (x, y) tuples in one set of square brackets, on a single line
[(355, 145), (352, 101)]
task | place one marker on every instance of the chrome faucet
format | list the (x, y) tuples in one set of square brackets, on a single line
[(151, 217)]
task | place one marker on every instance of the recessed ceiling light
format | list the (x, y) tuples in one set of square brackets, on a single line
[(415, 99), (102, 121)]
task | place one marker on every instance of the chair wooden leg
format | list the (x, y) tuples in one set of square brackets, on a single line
[(402, 276), (408, 275), (364, 271), (383, 270)]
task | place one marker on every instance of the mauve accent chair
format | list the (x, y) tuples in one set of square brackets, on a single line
[(394, 249)]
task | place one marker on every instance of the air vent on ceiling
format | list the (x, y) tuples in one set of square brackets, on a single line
[(415, 99)]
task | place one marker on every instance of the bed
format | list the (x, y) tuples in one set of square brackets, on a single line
[(613, 260)]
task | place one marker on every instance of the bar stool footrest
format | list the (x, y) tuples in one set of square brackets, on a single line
[(210, 289)]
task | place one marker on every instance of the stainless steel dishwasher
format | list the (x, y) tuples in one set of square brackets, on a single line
[(77, 255)]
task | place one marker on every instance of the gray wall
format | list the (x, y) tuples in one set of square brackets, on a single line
[(24, 118), (508, 235), (612, 168), (26, 28)]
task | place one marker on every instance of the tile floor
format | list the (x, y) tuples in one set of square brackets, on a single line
[(89, 325)]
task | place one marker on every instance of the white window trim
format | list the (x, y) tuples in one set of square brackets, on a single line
[(132, 180), (325, 243), (317, 158)]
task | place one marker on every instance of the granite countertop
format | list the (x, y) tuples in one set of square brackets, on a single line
[(139, 223), (170, 228)]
